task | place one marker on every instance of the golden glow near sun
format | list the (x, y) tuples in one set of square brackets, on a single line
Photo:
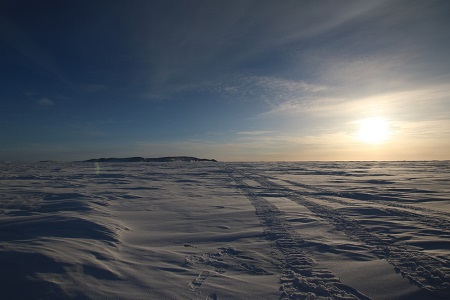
[(373, 130)]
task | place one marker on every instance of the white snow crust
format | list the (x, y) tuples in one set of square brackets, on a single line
[(205, 230)]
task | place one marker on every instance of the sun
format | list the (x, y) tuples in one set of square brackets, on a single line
[(373, 130)]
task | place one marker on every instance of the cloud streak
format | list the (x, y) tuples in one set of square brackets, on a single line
[(45, 102), (216, 38)]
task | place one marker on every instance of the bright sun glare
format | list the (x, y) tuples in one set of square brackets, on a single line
[(373, 130)]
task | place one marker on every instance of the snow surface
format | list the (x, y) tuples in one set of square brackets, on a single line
[(203, 230)]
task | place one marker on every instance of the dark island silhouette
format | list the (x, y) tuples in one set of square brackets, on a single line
[(155, 159)]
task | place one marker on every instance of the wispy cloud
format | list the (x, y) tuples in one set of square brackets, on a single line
[(22, 42), (271, 90), (45, 102), (256, 132), (190, 50), (94, 129), (409, 103), (91, 87)]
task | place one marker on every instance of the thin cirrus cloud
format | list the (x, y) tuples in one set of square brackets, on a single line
[(216, 37), (362, 73), (256, 132), (313, 72), (45, 102)]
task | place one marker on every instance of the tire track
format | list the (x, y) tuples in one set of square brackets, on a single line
[(392, 209), (300, 278), (355, 197), (423, 270)]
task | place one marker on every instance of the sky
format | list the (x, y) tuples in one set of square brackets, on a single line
[(233, 80)]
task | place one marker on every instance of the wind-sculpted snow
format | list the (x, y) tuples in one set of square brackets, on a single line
[(209, 230)]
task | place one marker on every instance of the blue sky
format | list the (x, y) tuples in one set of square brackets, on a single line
[(231, 80)]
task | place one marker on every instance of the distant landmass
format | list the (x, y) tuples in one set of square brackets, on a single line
[(156, 159)]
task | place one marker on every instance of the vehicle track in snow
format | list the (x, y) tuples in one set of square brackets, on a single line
[(301, 278), (358, 196), (425, 271), (392, 209)]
